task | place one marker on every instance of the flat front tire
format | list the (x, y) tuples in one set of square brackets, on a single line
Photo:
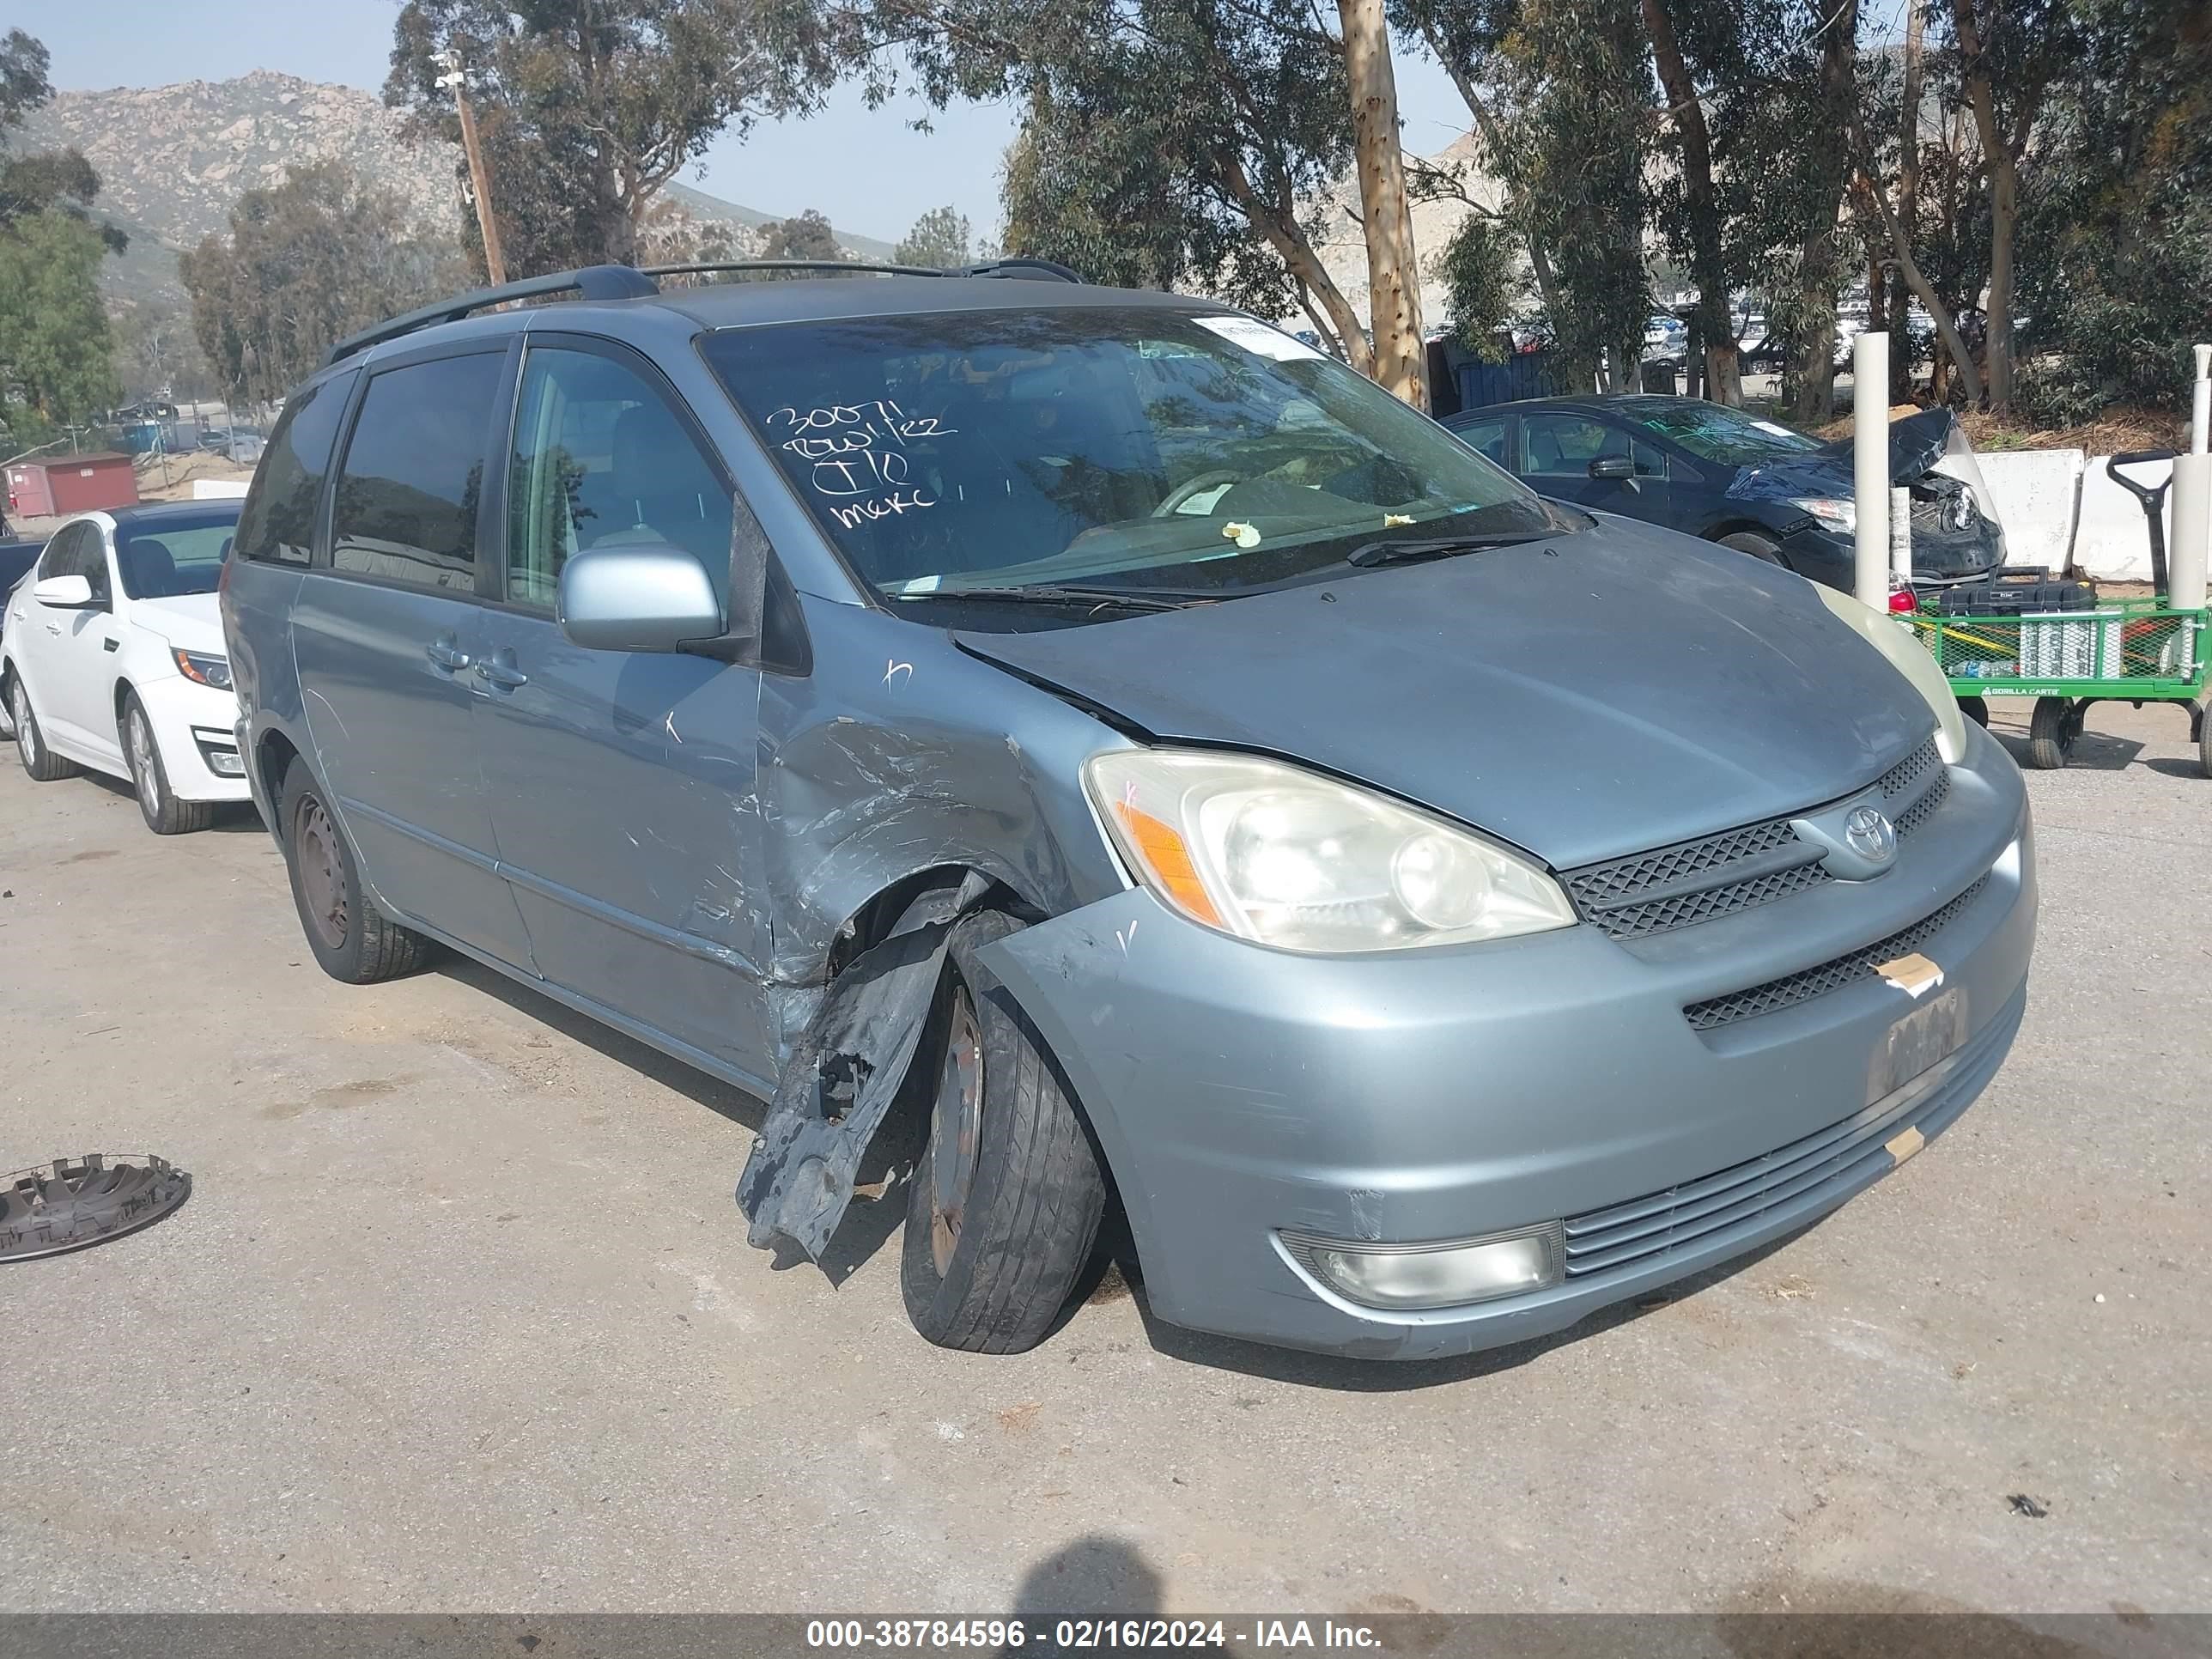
[(352, 940), (158, 805), (40, 763), (1004, 1209)]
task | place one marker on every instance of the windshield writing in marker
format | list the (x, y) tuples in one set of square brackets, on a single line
[(856, 456)]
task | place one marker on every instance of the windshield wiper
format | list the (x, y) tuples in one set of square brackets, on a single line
[(1061, 593), (1409, 549)]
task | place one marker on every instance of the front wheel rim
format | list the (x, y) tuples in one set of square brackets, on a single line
[(322, 880), (955, 1130), (27, 739), (142, 763)]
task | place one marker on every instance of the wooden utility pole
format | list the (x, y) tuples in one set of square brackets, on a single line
[(1394, 278), (479, 179)]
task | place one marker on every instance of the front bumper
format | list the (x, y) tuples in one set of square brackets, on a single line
[(1939, 558), (1238, 1091), (196, 726)]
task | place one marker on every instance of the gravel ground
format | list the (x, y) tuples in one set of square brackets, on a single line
[(460, 1316)]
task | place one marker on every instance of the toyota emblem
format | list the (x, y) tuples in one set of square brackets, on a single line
[(1869, 833)]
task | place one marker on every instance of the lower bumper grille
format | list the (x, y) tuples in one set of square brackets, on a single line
[(1831, 976), (1661, 1223)]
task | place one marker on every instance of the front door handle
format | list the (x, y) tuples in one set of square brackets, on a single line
[(446, 655), (500, 670)]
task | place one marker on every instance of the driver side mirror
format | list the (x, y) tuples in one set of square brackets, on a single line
[(646, 596), (1614, 468), (65, 593)]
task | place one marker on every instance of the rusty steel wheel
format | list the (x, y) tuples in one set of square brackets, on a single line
[(322, 877), (956, 1129), (351, 938)]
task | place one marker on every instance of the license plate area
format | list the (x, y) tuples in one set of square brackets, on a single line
[(1918, 1042)]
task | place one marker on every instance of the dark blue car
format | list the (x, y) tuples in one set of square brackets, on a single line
[(1726, 476)]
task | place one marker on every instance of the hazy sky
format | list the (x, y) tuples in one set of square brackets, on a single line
[(865, 168)]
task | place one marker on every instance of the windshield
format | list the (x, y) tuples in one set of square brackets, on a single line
[(1717, 433), (1136, 447), (176, 556)]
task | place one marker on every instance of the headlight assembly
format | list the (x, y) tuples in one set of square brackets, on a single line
[(1894, 640), (1290, 859), (204, 668), (1835, 514)]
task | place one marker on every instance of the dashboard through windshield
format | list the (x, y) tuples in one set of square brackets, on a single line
[(1121, 447)]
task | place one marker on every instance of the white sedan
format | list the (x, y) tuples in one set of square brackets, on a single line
[(112, 657)]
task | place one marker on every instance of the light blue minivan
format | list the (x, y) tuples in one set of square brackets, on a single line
[(1102, 731)]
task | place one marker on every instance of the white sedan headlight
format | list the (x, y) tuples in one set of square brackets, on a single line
[(1290, 859)]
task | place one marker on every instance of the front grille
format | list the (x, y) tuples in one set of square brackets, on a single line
[(1661, 1223), (1794, 988), (1716, 875)]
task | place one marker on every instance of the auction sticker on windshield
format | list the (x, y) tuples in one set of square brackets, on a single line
[(1257, 337)]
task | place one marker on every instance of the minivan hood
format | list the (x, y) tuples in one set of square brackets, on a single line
[(190, 622), (1582, 697)]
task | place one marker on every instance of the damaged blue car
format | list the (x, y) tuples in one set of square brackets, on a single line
[(1125, 749)]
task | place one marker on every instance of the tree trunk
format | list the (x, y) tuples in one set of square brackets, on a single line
[(1708, 261), (2005, 203), (1493, 139), (1924, 291), (1394, 278), (1816, 372), (1280, 225), (1908, 199)]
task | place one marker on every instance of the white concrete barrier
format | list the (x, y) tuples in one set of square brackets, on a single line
[(218, 489), (2111, 538), (2036, 493)]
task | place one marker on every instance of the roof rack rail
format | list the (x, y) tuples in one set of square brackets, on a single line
[(1020, 266), (628, 282), (591, 283)]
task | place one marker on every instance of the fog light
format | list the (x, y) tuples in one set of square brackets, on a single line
[(225, 764), (1445, 1273)]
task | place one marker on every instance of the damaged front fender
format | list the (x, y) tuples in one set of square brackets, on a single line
[(844, 1072)]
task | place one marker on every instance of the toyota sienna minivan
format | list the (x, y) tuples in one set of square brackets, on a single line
[(1128, 748)]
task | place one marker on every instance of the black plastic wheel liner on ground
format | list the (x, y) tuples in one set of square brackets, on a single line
[(75, 1202)]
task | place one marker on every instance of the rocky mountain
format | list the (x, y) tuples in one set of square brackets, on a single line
[(174, 159)]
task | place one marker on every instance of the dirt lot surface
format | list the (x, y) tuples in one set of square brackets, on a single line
[(460, 1316)]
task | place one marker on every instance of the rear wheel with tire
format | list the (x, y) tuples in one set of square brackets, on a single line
[(39, 763), (158, 805), (2204, 743), (2051, 732), (352, 940), (1004, 1210), (1758, 546)]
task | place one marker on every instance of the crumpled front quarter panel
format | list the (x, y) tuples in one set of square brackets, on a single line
[(900, 753)]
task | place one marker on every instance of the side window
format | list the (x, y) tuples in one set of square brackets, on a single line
[(277, 524), (408, 491), (602, 461), (1487, 436), (1563, 444), (79, 551)]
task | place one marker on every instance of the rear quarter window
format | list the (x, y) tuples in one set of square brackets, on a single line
[(277, 526)]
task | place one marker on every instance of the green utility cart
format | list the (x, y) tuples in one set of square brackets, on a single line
[(2135, 651)]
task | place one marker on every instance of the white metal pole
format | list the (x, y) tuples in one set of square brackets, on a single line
[(2192, 500), (1870, 467)]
